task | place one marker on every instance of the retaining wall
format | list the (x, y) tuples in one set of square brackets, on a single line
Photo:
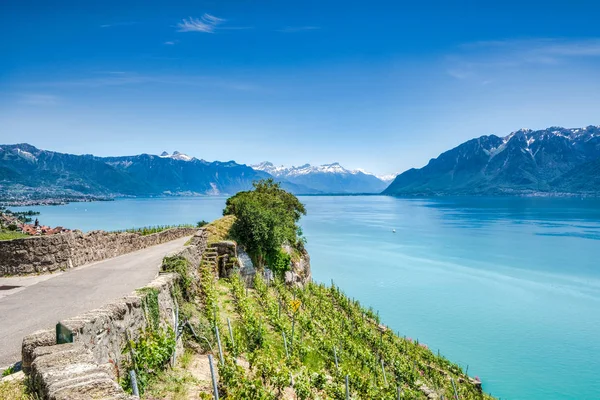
[(91, 366), (73, 249)]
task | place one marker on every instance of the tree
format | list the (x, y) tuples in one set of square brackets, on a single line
[(266, 219)]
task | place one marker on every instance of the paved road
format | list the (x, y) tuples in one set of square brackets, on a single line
[(41, 302)]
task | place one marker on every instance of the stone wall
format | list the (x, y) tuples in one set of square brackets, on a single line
[(73, 249), (91, 366)]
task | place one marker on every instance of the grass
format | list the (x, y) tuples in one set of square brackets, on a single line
[(15, 390), (10, 235), (174, 383), (149, 230), (219, 229)]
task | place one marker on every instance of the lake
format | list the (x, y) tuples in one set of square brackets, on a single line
[(509, 287)]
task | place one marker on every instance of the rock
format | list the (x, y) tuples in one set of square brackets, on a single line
[(17, 376), (68, 371)]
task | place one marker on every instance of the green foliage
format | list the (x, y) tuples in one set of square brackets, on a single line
[(326, 320), (179, 265), (280, 262), (200, 224), (150, 303), (10, 235), (266, 219), (149, 230), (151, 353), (9, 371)]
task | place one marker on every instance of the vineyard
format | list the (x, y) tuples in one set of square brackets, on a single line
[(280, 342)]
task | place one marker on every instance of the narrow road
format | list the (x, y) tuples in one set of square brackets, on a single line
[(41, 302)]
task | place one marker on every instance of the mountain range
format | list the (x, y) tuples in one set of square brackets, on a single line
[(553, 161), (28, 172), (326, 178), (550, 161)]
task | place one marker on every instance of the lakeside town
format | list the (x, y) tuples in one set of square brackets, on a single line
[(14, 225)]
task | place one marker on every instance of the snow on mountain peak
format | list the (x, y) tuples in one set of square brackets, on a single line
[(27, 155), (387, 178), (177, 156), (293, 171)]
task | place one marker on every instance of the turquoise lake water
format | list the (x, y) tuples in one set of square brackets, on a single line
[(508, 286)]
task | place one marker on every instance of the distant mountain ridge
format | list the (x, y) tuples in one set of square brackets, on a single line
[(29, 172), (550, 161), (326, 178)]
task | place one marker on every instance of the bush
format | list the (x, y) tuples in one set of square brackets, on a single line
[(266, 219), (151, 352)]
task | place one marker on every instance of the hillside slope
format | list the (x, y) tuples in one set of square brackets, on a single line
[(291, 342), (552, 160)]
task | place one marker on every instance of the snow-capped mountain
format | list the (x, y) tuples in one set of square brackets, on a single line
[(326, 178), (387, 178), (177, 156), (553, 160)]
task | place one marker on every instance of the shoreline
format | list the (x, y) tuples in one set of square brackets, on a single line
[(61, 201)]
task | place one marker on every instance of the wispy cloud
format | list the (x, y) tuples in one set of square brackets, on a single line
[(36, 99), (547, 46), (478, 60), (207, 24), (293, 29), (116, 79), (170, 42)]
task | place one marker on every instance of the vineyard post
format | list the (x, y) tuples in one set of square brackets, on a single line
[(287, 355), (134, 385), (219, 344), (347, 389), (399, 392), (454, 387), (383, 370), (467, 372), (230, 333), (293, 324), (335, 357), (214, 378)]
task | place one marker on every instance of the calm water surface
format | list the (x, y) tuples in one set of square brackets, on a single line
[(509, 287)]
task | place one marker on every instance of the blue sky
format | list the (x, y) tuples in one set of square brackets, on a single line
[(379, 85)]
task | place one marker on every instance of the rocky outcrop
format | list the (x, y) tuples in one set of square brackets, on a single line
[(73, 249), (299, 273)]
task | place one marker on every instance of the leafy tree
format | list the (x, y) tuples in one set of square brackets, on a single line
[(266, 219)]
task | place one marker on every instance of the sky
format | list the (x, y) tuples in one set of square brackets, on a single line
[(378, 85)]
